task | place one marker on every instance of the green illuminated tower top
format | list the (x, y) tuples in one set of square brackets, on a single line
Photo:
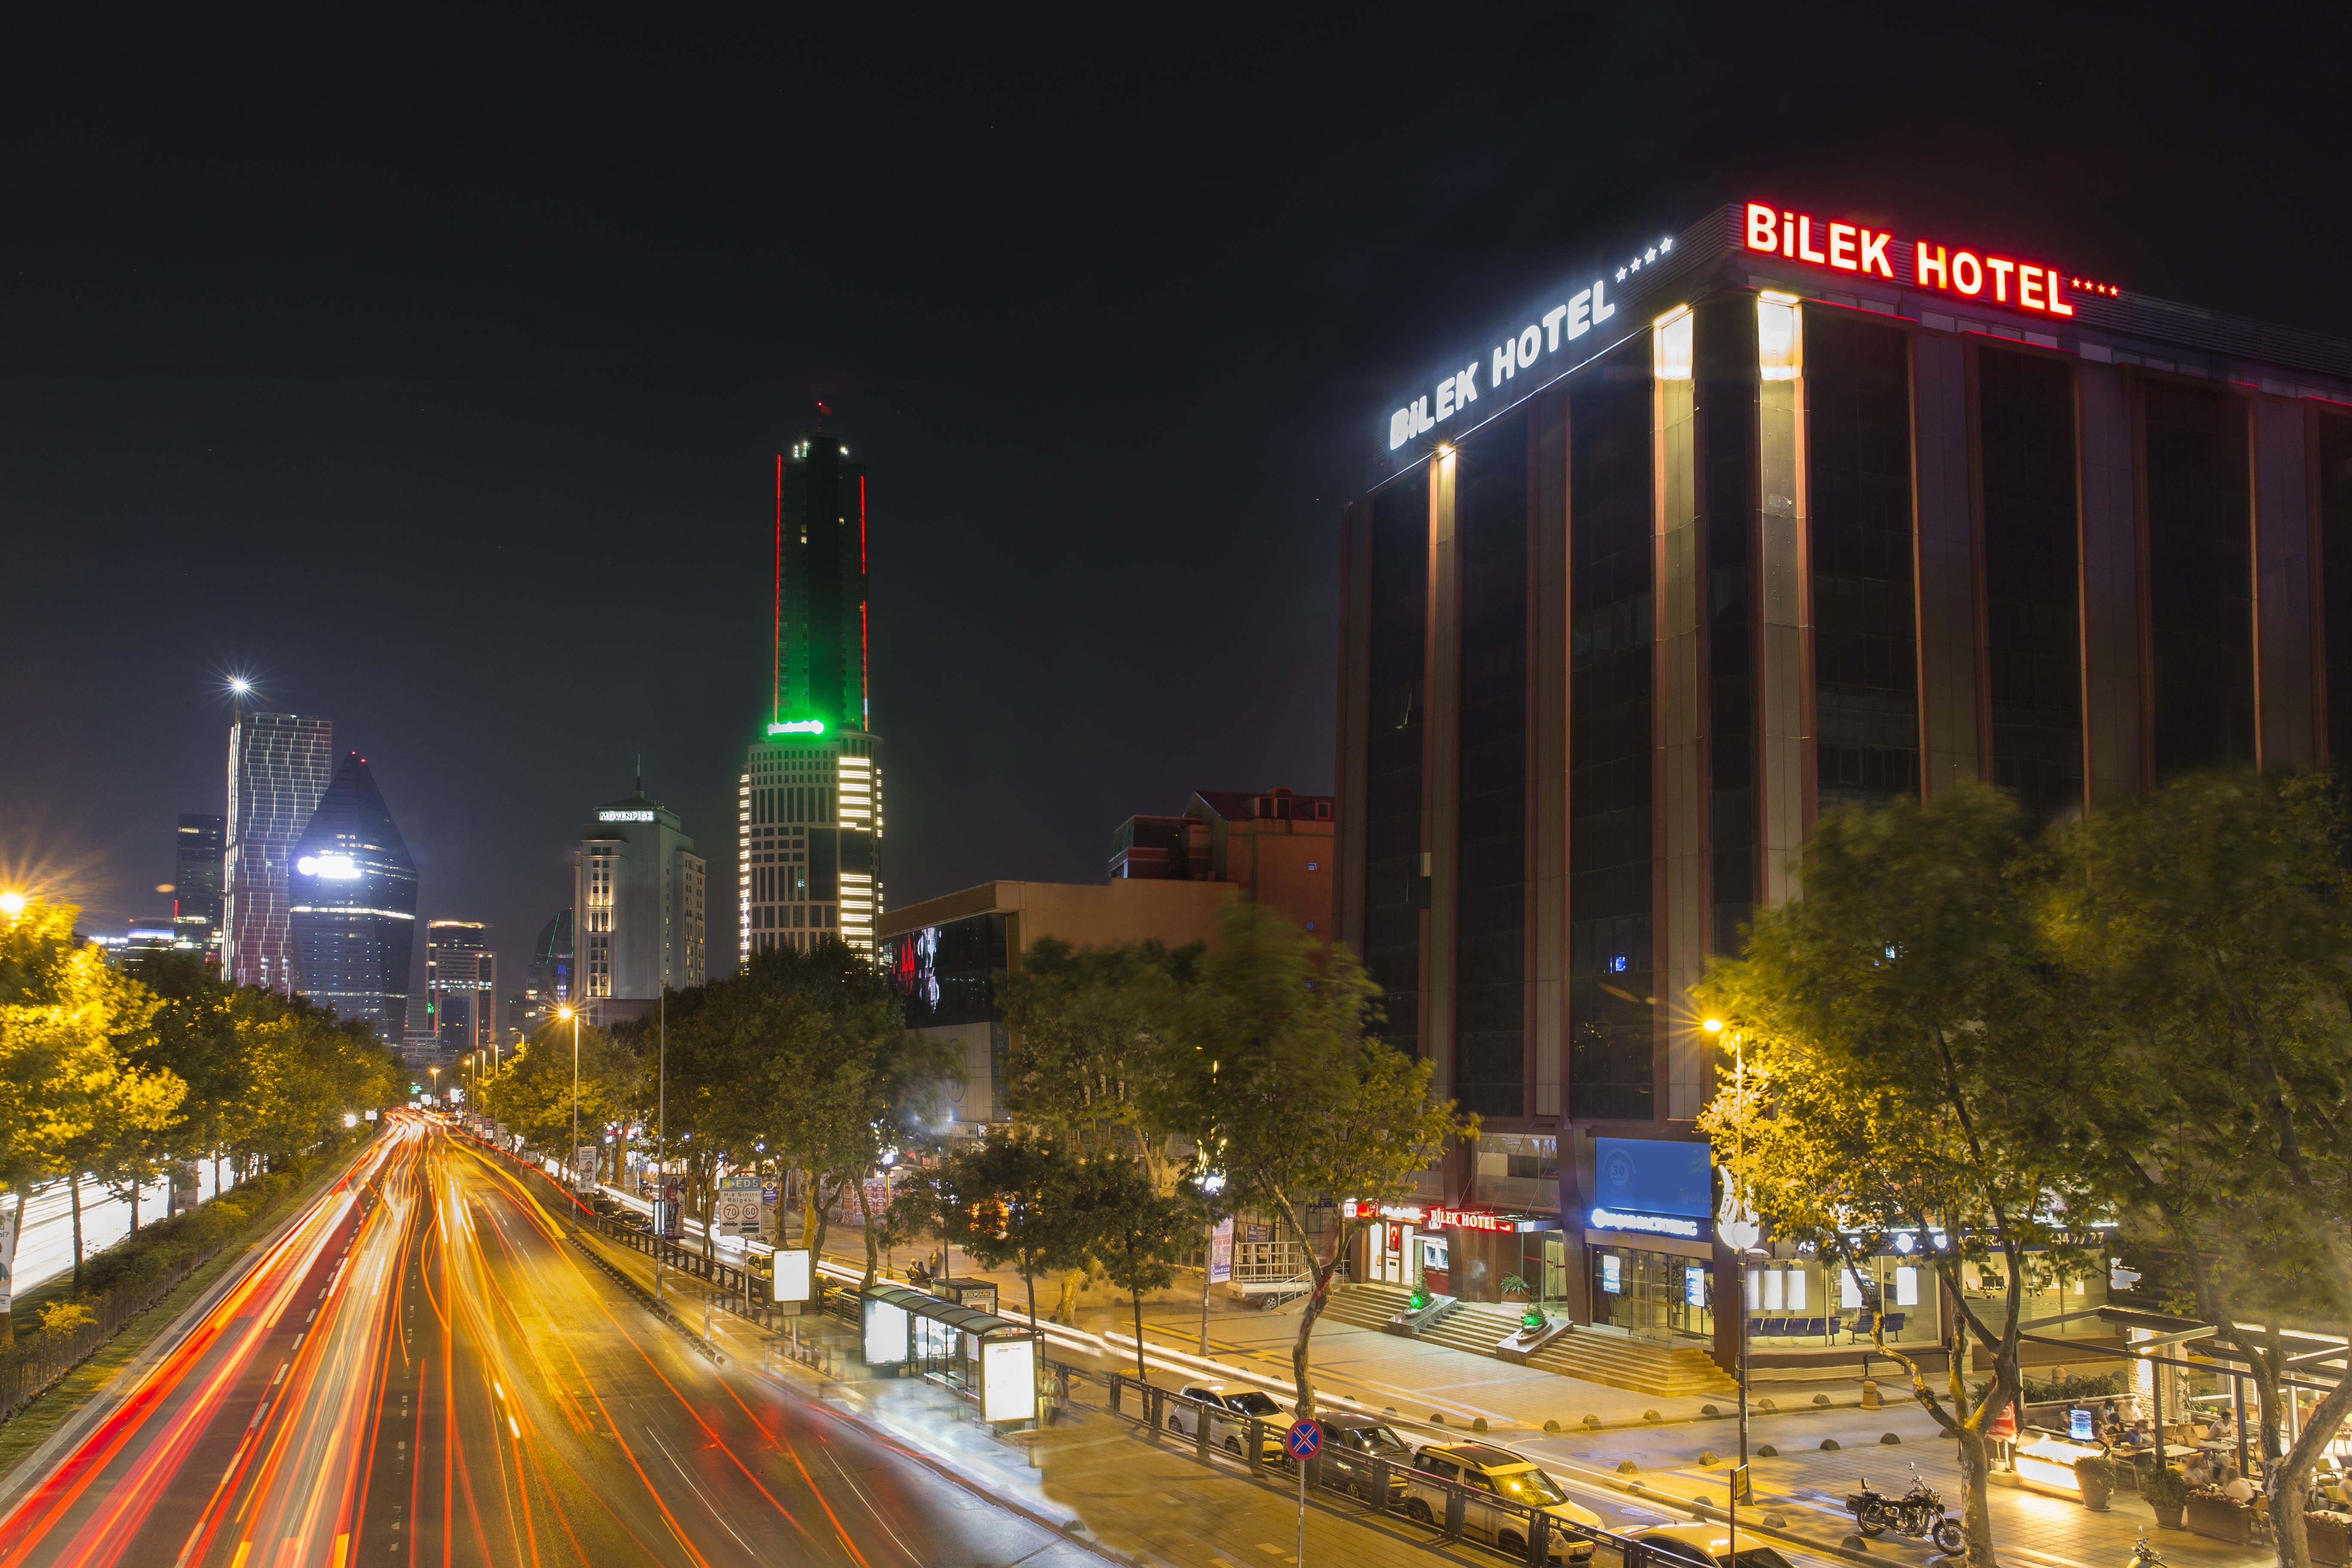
[(820, 631)]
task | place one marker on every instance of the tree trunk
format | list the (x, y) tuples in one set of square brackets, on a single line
[(1976, 1490), (73, 1187), (1208, 1252), (865, 1212), (134, 1205), (1030, 1280), (1142, 1372), (1320, 1297), (2287, 1478), (8, 1269)]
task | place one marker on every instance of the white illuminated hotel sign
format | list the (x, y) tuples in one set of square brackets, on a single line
[(625, 817), (1654, 1224)]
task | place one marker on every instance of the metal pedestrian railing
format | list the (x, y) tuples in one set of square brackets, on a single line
[(40, 1360), (1386, 1486)]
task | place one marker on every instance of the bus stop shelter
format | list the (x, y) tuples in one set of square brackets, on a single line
[(988, 1359)]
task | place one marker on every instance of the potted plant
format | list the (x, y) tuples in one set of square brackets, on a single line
[(1515, 1288), (2166, 1494), (2213, 1514), (2095, 1474), (1418, 1299)]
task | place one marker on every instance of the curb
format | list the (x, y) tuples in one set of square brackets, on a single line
[(644, 1298)]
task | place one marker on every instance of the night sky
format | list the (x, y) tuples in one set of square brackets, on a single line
[(433, 377)]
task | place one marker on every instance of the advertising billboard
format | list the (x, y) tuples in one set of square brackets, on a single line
[(1652, 1177), (793, 1275), (1008, 1380)]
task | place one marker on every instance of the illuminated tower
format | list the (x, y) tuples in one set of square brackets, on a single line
[(809, 798), (278, 767), (352, 905)]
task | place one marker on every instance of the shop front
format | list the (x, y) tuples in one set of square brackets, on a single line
[(1649, 1238), (1472, 1255)]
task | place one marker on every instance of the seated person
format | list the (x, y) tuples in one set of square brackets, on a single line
[(2237, 1489)]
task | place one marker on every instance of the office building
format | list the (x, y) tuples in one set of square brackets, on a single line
[(1276, 846), (141, 940), (198, 847), (942, 955), (550, 958), (352, 907), (1786, 511), (809, 797), (637, 886), (461, 986), (278, 767)]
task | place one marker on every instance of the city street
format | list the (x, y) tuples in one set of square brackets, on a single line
[(424, 1371)]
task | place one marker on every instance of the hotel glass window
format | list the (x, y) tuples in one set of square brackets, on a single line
[(1724, 338), (1611, 1054), (2200, 576), (1393, 885), (2335, 578), (1491, 531), (1858, 481), (2025, 423)]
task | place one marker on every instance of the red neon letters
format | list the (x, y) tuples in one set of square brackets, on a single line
[(1853, 247), (1458, 1219)]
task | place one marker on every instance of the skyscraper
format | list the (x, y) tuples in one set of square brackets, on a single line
[(809, 798), (278, 765), (638, 886), (461, 979), (352, 905), (196, 880), (550, 958)]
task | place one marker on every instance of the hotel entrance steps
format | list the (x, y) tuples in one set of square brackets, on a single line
[(1612, 1360)]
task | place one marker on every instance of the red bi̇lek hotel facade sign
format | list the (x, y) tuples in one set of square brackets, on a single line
[(1981, 276)]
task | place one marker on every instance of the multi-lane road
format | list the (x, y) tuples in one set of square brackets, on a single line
[(424, 1371)]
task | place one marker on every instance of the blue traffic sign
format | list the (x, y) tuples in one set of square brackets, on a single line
[(1302, 1438)]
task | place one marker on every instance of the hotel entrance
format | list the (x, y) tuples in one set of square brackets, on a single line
[(1655, 1295), (1393, 1249)]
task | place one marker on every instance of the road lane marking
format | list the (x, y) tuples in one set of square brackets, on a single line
[(281, 1375)]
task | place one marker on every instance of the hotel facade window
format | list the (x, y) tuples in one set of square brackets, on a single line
[(1786, 515)]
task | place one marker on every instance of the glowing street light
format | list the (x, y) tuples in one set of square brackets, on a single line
[(12, 903)]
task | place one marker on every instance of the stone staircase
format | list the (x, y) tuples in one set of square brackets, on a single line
[(1614, 1359)]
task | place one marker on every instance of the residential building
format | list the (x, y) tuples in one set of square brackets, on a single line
[(278, 767), (809, 796), (197, 880), (352, 905), (461, 986), (1276, 846), (639, 887)]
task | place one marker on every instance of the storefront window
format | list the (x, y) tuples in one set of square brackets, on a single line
[(1653, 1293)]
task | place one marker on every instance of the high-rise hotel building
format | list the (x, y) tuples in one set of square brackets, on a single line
[(1788, 511), (279, 768), (809, 799), (637, 886)]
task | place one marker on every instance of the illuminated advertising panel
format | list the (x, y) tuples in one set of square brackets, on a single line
[(886, 1334), (1008, 1380), (793, 1275)]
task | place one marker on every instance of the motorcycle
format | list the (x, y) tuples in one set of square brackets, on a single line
[(1917, 1513), (2146, 1556)]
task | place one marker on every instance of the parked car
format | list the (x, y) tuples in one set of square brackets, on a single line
[(1484, 1469), (1228, 1412), (1349, 1445), (1706, 1546)]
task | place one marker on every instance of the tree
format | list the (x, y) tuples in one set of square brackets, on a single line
[(1286, 1097), (533, 1094), (1906, 1064), (1015, 1197), (1134, 1230), (2208, 931)]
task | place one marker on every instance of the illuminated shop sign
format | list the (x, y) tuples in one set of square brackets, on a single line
[(625, 817), (1564, 323), (1650, 1223), (798, 727), (1983, 277), (1407, 1213), (1469, 1219)]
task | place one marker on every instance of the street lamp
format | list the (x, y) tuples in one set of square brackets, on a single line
[(573, 1158), (12, 904), (1741, 1232)]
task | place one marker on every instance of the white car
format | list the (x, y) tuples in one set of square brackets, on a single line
[(1228, 1412), (1488, 1470)]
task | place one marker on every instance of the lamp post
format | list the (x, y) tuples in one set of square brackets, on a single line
[(1740, 1231), (572, 1155)]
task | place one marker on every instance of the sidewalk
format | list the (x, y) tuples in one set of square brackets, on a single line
[(1804, 1484)]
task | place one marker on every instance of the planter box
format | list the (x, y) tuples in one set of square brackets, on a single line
[(2229, 1521), (2331, 1540)]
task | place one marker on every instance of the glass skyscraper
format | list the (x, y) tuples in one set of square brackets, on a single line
[(809, 797), (279, 766), (196, 880), (351, 907)]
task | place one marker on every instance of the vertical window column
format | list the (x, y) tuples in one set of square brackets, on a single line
[(1395, 884)]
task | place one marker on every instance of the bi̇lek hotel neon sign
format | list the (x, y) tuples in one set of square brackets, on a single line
[(1982, 276)]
